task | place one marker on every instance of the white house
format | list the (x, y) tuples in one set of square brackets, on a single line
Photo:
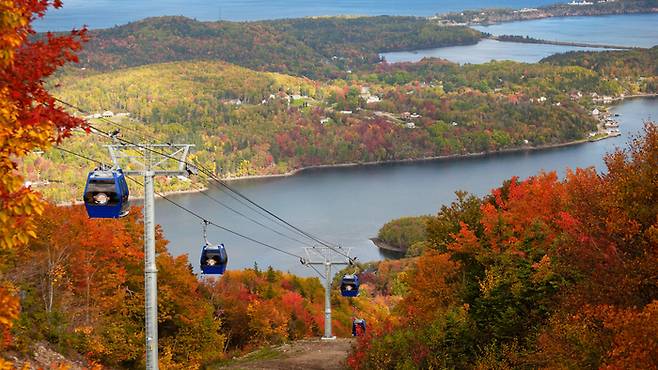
[(595, 112), (373, 99)]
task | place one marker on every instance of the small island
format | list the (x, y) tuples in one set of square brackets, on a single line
[(401, 237)]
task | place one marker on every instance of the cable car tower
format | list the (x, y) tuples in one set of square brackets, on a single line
[(326, 257), (150, 160)]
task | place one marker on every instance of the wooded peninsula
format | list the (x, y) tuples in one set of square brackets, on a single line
[(574, 8)]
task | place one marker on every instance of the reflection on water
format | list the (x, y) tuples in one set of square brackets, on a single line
[(349, 205), (390, 254)]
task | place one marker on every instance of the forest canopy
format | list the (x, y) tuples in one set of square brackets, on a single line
[(321, 47)]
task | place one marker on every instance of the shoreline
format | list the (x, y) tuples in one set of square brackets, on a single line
[(410, 160), (357, 164), (486, 24), (398, 161), (439, 157), (484, 17), (382, 245), (635, 96), (361, 164)]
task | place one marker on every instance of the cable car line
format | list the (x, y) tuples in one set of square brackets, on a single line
[(79, 155), (251, 219), (209, 222), (203, 219), (206, 222), (255, 208), (211, 175), (104, 134), (316, 271), (310, 236)]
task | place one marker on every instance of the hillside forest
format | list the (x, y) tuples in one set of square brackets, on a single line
[(246, 123)]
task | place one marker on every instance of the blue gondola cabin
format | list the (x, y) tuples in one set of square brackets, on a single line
[(106, 194), (213, 259), (358, 327), (349, 286)]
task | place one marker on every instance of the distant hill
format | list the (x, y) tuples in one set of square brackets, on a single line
[(562, 9), (312, 47)]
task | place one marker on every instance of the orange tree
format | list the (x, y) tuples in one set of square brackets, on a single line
[(29, 119)]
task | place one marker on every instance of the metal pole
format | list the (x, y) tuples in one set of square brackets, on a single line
[(327, 301), (150, 269), (327, 261), (160, 165)]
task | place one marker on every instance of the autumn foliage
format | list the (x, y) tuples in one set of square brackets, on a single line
[(82, 290), (29, 120), (554, 274), (29, 116)]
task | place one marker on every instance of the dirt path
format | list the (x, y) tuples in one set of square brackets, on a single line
[(309, 354)]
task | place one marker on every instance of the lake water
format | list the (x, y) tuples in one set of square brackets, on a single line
[(483, 52), (618, 30), (349, 205), (108, 13)]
